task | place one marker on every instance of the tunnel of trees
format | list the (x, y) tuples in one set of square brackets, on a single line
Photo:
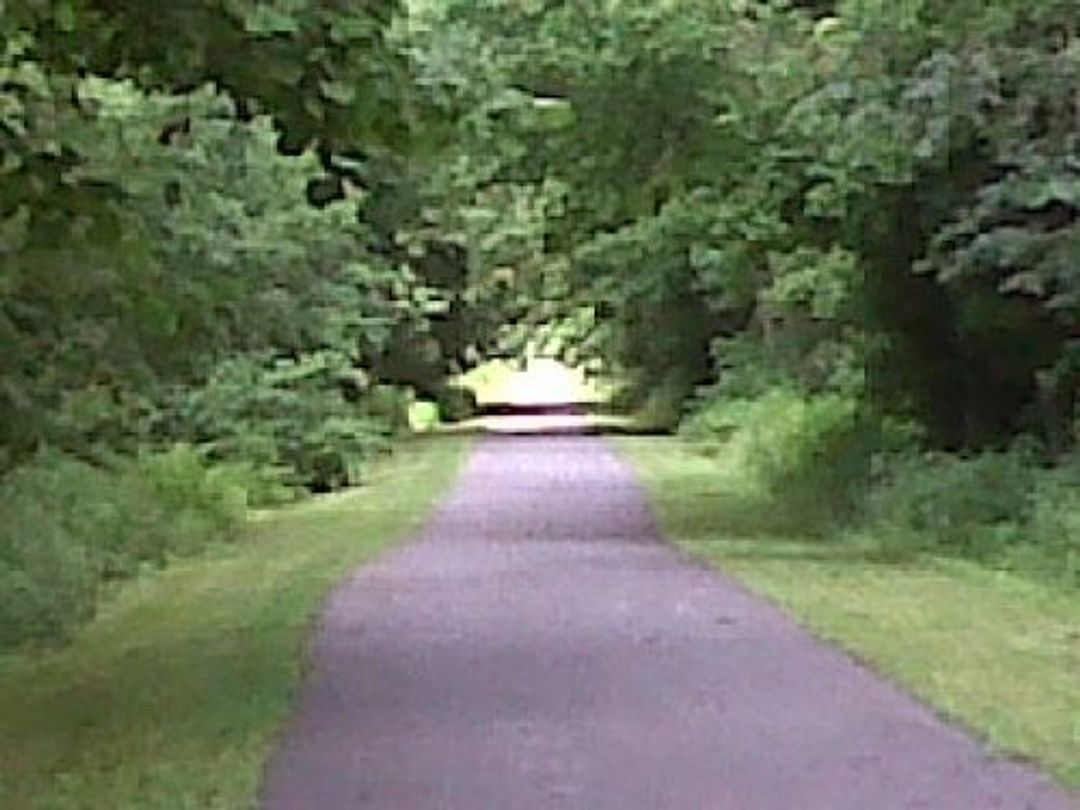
[(238, 236)]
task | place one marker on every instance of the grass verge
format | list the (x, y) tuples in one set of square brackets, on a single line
[(172, 696), (996, 652)]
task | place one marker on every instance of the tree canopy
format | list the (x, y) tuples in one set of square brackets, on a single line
[(866, 196), (255, 226)]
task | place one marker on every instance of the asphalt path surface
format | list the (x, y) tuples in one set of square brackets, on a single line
[(538, 646)]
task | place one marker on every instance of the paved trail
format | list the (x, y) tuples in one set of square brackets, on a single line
[(540, 648)]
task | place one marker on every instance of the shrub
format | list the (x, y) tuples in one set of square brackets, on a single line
[(1050, 544), (201, 504), (333, 453), (388, 404), (48, 582), (66, 525), (93, 508), (715, 423), (662, 408), (455, 403), (288, 422), (815, 464), (972, 507), (808, 454)]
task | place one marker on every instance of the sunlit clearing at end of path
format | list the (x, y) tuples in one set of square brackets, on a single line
[(543, 382)]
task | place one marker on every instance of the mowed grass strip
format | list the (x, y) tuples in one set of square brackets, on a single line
[(998, 653), (172, 697)]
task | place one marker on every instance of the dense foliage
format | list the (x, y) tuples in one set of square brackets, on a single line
[(204, 216), (846, 232), (860, 196), (843, 237)]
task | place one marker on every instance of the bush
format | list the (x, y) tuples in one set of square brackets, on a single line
[(972, 507), (388, 404), (662, 408), (1049, 545), (202, 504), (455, 403), (48, 582), (808, 454), (288, 422), (715, 423), (812, 452), (65, 526), (108, 515), (816, 466)]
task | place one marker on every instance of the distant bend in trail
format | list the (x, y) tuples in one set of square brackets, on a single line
[(539, 647)]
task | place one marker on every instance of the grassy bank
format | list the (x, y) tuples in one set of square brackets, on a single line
[(172, 696), (999, 653)]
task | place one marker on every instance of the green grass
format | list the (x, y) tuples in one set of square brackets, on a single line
[(172, 697), (995, 652)]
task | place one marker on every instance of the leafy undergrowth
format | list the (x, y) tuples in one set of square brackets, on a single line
[(172, 696), (997, 652)]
